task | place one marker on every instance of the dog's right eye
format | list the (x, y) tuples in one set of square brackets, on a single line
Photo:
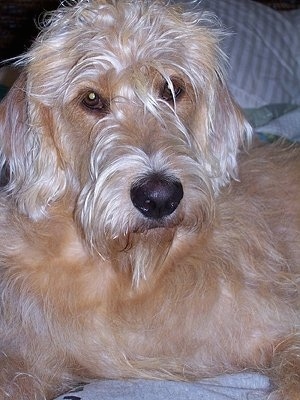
[(93, 101), (170, 94)]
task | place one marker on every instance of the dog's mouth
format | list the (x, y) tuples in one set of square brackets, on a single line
[(156, 197), (163, 223)]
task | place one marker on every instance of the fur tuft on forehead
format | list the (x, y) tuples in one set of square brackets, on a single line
[(86, 37)]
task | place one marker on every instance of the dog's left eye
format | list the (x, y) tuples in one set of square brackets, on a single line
[(172, 91), (93, 101)]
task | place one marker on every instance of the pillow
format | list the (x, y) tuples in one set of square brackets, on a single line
[(262, 51)]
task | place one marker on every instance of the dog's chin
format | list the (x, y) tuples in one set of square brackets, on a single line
[(160, 224), (140, 249), (146, 251)]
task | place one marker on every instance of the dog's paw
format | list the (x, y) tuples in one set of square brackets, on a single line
[(16, 383)]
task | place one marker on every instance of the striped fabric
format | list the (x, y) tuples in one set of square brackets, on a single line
[(262, 51)]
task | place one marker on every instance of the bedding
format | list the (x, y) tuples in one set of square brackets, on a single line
[(242, 386), (263, 48)]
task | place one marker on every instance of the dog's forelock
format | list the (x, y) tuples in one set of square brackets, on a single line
[(97, 35)]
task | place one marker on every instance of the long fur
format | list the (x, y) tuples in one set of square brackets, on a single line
[(90, 286)]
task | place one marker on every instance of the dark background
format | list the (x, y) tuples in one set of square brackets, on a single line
[(18, 28), (17, 24)]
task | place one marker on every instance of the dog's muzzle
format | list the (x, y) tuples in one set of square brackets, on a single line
[(155, 196)]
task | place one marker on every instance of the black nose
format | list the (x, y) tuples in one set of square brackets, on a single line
[(156, 197)]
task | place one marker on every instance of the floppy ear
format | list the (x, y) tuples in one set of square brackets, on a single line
[(219, 126), (228, 131), (220, 131), (28, 152)]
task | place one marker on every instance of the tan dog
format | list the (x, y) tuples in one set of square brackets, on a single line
[(132, 242)]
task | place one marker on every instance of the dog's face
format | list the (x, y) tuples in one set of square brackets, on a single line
[(122, 106)]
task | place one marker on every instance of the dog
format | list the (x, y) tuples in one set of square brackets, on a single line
[(142, 234)]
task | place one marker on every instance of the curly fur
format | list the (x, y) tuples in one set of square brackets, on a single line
[(90, 286)]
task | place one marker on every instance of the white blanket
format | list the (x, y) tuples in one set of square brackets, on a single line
[(244, 386)]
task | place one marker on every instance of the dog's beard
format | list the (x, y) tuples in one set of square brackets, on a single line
[(145, 253), (115, 230)]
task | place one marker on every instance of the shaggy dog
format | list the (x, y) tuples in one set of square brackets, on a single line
[(137, 239)]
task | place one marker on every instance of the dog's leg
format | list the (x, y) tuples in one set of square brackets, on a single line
[(285, 368)]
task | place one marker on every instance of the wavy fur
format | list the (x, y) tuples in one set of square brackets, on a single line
[(112, 94)]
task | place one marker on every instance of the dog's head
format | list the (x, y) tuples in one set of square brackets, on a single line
[(122, 106)]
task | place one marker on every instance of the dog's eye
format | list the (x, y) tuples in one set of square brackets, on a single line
[(172, 91), (93, 101)]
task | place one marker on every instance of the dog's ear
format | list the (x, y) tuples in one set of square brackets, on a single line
[(33, 176), (228, 131), (220, 131), (220, 128)]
